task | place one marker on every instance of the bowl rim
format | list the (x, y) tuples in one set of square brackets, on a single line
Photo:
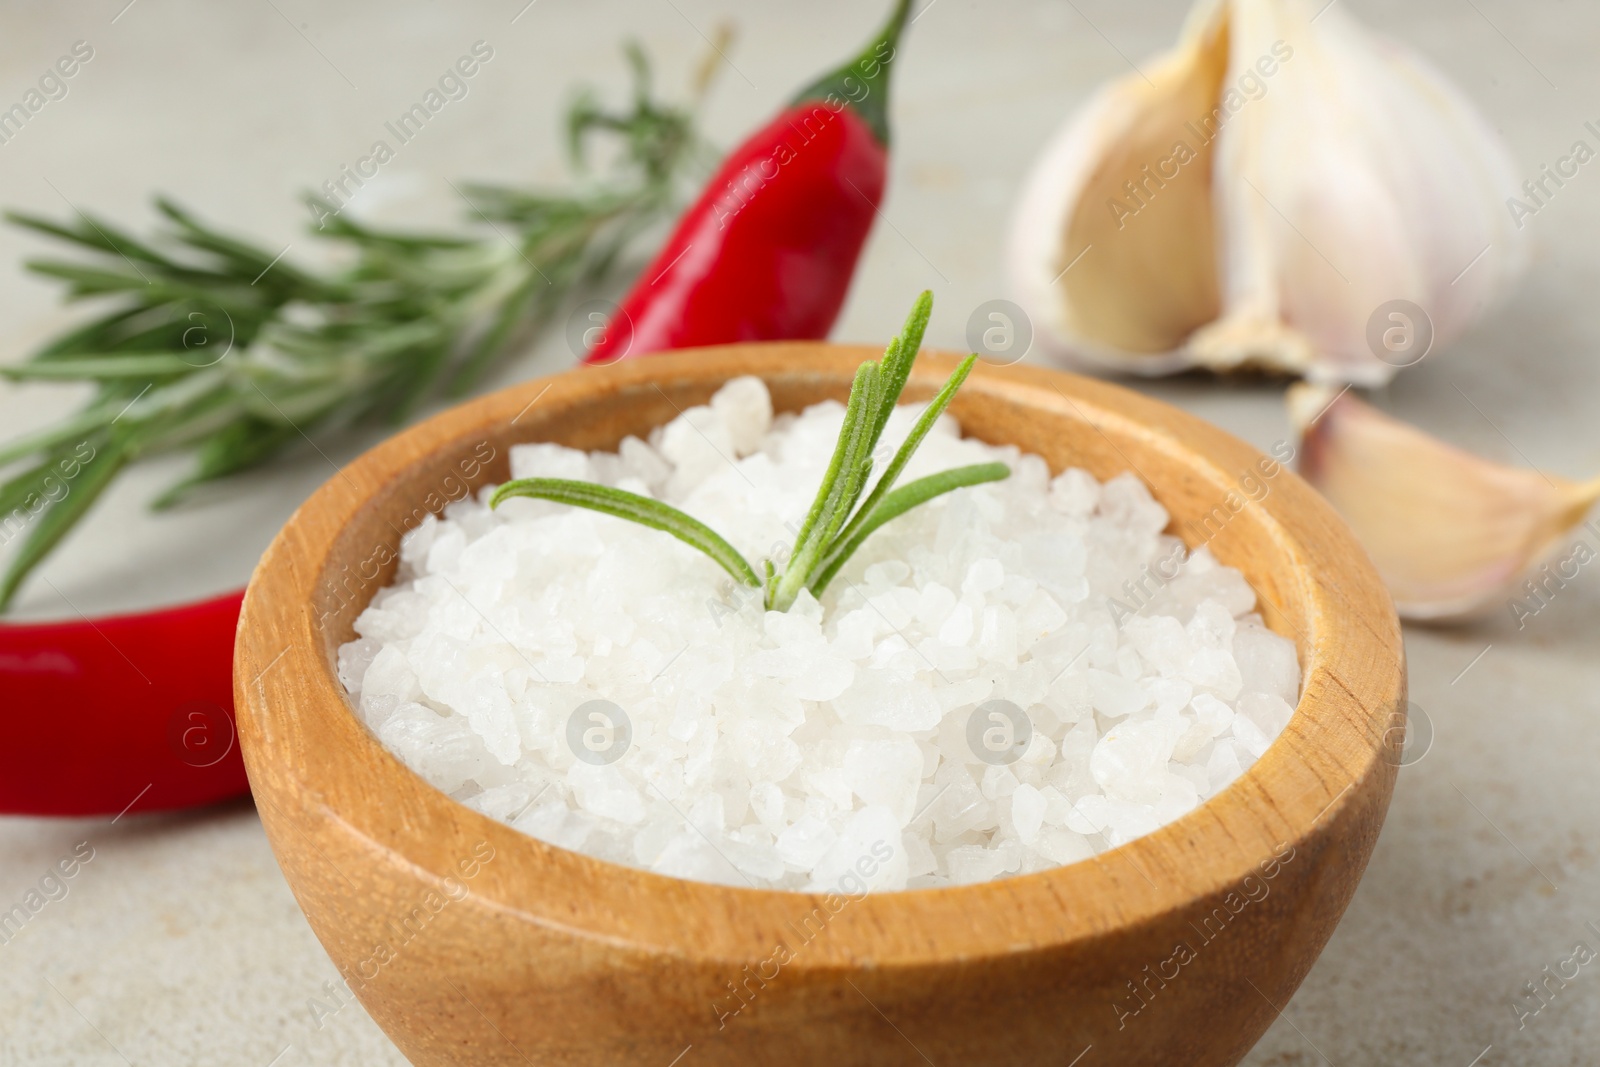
[(1334, 756)]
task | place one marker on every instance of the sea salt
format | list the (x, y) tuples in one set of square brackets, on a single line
[(1012, 677)]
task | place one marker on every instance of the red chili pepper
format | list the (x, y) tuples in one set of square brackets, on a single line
[(767, 251), (122, 712)]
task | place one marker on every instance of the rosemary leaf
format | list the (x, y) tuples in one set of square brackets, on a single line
[(140, 365), (899, 502), (913, 440), (483, 352), (96, 234), (99, 335), (236, 446), (899, 358), (69, 429), (843, 468), (91, 281), (857, 466), (242, 257), (634, 508), (53, 523), (19, 494)]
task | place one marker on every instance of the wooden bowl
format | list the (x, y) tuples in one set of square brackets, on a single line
[(471, 943)]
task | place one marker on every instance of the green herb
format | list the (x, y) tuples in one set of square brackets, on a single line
[(225, 348), (835, 526), (634, 508)]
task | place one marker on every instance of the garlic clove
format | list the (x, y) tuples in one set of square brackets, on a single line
[(1279, 178), (1451, 533), (1137, 287)]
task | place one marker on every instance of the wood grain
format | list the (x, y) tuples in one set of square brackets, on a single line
[(546, 956)]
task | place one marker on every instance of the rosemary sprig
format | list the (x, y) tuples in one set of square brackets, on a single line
[(835, 527), (634, 508), (216, 345)]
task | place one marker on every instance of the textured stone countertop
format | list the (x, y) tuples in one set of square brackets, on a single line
[(179, 941)]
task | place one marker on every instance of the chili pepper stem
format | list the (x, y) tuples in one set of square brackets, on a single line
[(863, 82), (772, 255)]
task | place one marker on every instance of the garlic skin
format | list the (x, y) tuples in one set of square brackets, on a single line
[(1452, 534), (1256, 195)]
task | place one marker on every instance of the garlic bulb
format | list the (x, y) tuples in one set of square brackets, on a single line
[(1263, 195), (1452, 535)]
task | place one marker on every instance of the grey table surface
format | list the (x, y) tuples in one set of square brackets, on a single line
[(179, 942)]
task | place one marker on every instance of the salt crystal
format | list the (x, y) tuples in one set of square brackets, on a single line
[(803, 844), (997, 636), (886, 772), (1090, 815), (1063, 846), (960, 807), (1195, 737), (1040, 615), (415, 543), (886, 573), (387, 683), (1212, 713), (550, 461), (1127, 501), (756, 860), (691, 856), (920, 859), (1028, 806), (1214, 669), (1179, 796), (974, 863), (868, 854), (1223, 766), (1074, 492), (698, 445), (766, 800), (984, 576), (503, 802), (1170, 695), (1126, 821), (1115, 695), (443, 744), (354, 659), (887, 698), (1266, 662), (745, 409), (556, 823), (958, 627), (604, 791), (1129, 760), (998, 782), (445, 551), (934, 606), (1250, 736), (643, 463), (1269, 713)]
